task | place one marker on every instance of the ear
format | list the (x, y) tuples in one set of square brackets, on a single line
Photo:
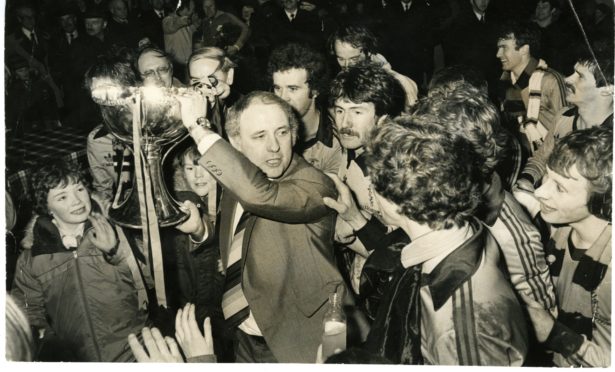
[(525, 49), (381, 120), (314, 94), (235, 142), (104, 25), (230, 76)]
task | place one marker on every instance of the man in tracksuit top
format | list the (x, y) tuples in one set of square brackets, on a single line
[(576, 197), (447, 302)]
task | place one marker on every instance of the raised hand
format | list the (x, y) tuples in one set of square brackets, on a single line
[(103, 234), (345, 205), (158, 349), (187, 332), (194, 224)]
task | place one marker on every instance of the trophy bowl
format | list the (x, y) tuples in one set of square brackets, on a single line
[(160, 125)]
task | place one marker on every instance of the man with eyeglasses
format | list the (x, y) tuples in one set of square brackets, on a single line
[(156, 69), (212, 72)]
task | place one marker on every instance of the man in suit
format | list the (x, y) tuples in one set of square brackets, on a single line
[(294, 24), (280, 267), (152, 22)]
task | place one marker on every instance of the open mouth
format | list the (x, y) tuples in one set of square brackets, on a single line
[(274, 162), (78, 211)]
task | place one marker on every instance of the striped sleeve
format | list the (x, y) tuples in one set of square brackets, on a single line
[(519, 241)]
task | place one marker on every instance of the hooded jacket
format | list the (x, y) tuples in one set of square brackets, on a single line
[(86, 299)]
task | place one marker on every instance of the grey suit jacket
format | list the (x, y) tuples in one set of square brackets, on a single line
[(288, 268)]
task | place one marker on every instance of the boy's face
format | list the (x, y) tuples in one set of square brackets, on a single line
[(563, 200), (198, 177), (69, 204)]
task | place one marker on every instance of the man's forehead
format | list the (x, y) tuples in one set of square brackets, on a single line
[(296, 75), (259, 116), (346, 102), (508, 39), (152, 57), (343, 46), (204, 66)]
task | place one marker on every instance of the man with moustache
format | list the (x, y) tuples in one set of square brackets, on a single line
[(279, 265), (299, 75), (590, 91), (362, 97)]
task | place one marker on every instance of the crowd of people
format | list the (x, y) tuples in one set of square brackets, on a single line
[(444, 167)]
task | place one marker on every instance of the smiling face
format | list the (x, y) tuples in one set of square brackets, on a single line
[(354, 122), (69, 204), (155, 70), (581, 86), (198, 178), (291, 85), (510, 57), (347, 55), (265, 138), (563, 200)]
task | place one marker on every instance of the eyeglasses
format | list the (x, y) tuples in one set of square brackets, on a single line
[(159, 71)]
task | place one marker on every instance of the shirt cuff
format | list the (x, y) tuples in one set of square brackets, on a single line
[(207, 141), (564, 340)]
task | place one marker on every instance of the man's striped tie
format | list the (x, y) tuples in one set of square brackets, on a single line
[(234, 304)]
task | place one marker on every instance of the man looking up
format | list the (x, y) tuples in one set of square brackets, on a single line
[(299, 76), (590, 91), (281, 271), (576, 196), (533, 91), (354, 43)]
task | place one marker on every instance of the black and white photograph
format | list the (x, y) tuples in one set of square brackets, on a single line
[(304, 183)]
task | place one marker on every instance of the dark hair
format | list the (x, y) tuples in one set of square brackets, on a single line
[(430, 176), (554, 3), (467, 112), (57, 173), (368, 82), (591, 150), (300, 56), (358, 36), (451, 77), (116, 66), (524, 33), (601, 67), (234, 113)]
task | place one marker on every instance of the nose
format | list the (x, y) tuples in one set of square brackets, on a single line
[(541, 193), (199, 171), (498, 54), (284, 95), (74, 199), (343, 121), (346, 63), (273, 144)]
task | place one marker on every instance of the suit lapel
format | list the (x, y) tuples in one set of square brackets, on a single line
[(228, 205)]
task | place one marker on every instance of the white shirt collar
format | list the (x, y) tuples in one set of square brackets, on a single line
[(28, 33), (405, 5), (159, 13), (433, 247), (291, 15), (478, 15)]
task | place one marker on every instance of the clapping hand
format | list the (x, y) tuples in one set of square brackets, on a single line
[(102, 235), (187, 332), (159, 349)]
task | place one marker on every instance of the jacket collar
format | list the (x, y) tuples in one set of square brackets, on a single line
[(524, 79), (455, 269), (492, 200), (47, 238)]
